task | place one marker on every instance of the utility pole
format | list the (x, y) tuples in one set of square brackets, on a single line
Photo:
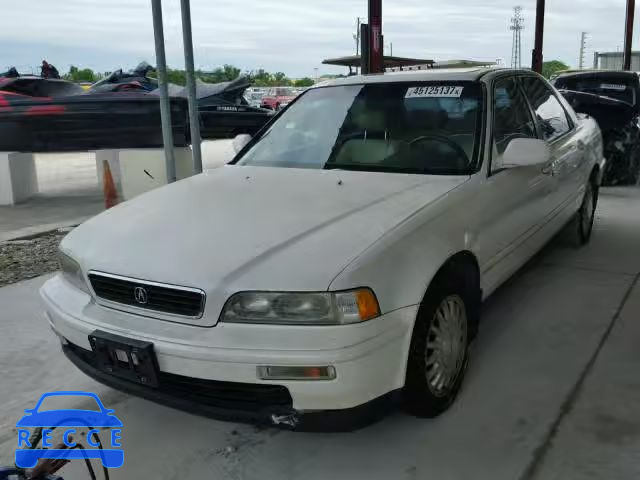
[(537, 57), (583, 46), (357, 38), (517, 25), (628, 34)]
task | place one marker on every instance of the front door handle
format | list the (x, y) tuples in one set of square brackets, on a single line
[(548, 170)]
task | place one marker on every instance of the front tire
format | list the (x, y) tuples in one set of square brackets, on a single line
[(439, 351)]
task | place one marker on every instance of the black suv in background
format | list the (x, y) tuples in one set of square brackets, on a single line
[(612, 98)]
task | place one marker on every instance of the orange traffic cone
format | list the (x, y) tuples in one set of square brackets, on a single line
[(109, 186)]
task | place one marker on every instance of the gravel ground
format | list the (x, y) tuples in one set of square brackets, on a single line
[(24, 259)]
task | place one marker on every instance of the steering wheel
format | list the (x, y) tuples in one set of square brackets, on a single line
[(442, 139)]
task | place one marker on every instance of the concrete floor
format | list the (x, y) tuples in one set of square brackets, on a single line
[(552, 391), (69, 192)]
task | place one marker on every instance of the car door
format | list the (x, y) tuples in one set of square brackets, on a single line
[(557, 129), (516, 198)]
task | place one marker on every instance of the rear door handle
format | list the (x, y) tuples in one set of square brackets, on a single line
[(548, 169), (581, 146)]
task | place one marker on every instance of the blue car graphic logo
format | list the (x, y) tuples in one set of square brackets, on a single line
[(69, 420)]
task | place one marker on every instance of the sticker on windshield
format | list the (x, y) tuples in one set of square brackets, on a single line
[(612, 86), (440, 91)]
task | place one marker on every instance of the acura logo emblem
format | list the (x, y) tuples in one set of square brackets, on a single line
[(141, 296)]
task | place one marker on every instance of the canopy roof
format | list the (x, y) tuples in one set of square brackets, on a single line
[(389, 61)]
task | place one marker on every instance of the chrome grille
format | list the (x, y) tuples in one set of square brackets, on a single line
[(159, 297)]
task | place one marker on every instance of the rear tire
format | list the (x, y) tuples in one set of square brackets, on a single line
[(579, 230), (439, 351)]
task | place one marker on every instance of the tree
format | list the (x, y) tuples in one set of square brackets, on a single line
[(552, 67), (84, 75), (303, 82), (177, 77), (280, 79), (226, 73), (261, 78)]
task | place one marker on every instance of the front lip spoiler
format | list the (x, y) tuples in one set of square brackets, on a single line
[(346, 420)]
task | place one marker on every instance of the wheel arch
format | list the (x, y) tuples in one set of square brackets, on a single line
[(464, 264), (462, 260)]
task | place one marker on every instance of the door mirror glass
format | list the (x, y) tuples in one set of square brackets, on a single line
[(525, 152), (241, 141)]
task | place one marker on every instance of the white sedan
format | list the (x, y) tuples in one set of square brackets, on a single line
[(341, 260)]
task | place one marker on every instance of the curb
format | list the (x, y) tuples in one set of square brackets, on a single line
[(29, 233)]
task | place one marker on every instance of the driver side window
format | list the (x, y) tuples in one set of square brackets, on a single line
[(511, 118)]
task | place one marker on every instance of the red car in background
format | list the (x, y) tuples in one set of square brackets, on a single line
[(277, 98)]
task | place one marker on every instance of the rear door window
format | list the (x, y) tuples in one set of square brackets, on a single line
[(551, 116)]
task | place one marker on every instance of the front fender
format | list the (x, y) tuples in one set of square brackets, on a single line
[(401, 265)]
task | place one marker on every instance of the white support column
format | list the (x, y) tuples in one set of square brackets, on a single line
[(139, 170), (18, 177)]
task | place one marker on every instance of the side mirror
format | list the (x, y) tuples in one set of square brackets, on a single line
[(526, 152), (240, 141)]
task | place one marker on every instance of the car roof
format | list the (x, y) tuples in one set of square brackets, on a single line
[(453, 74)]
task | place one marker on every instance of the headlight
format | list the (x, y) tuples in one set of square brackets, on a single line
[(72, 272), (292, 308)]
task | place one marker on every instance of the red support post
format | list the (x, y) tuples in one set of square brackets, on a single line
[(376, 51), (628, 34), (538, 57)]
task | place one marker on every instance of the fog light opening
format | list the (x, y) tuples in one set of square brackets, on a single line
[(296, 373)]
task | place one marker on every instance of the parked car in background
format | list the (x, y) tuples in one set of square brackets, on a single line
[(613, 99), (369, 222), (254, 99), (277, 98)]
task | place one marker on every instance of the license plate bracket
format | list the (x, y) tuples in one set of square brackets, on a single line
[(130, 359)]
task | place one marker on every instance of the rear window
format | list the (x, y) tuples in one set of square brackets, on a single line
[(613, 87)]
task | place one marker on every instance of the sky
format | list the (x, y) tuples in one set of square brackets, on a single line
[(293, 36)]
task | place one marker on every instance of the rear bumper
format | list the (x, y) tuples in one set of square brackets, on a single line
[(369, 359)]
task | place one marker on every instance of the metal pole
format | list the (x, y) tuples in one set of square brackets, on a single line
[(628, 34), (165, 105), (538, 57), (194, 117), (376, 54)]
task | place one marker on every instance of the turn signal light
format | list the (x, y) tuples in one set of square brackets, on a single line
[(296, 373), (367, 304)]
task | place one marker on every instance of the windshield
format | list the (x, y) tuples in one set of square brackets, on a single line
[(429, 128), (612, 87)]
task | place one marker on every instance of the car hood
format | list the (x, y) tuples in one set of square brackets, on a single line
[(251, 228)]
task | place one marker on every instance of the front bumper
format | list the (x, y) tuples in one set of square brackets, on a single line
[(369, 358)]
